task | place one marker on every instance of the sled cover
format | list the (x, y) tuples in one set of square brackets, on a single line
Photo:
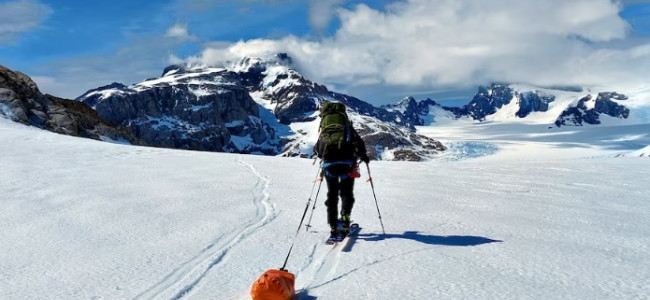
[(274, 285)]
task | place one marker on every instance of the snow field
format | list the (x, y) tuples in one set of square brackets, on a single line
[(85, 219)]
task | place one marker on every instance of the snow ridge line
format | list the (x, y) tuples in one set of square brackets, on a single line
[(180, 282)]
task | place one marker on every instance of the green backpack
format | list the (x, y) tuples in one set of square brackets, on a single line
[(334, 131)]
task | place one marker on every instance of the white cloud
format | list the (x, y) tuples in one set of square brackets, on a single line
[(428, 44), (179, 31), (20, 16), (321, 12)]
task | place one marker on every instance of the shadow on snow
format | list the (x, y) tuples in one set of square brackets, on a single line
[(451, 240)]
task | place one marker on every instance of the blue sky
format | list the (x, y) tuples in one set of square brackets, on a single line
[(379, 50)]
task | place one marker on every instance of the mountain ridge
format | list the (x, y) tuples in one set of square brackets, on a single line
[(292, 102), (279, 108), (499, 101), (264, 106)]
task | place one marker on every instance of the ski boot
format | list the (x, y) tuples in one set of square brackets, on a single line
[(345, 220)]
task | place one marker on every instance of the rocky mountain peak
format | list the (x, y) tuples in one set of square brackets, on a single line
[(514, 101), (21, 101), (589, 109), (251, 106)]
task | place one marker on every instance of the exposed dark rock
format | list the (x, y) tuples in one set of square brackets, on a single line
[(488, 100), (603, 104), (532, 101), (78, 119), (21, 101), (411, 112), (405, 145), (202, 109)]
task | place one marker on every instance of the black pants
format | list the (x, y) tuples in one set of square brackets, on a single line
[(336, 187)]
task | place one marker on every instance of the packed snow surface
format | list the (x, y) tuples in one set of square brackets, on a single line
[(530, 213)]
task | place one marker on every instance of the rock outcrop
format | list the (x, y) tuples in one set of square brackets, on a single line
[(21, 101)]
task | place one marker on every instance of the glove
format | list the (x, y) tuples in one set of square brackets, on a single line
[(365, 158)]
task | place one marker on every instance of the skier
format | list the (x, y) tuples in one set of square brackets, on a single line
[(340, 147)]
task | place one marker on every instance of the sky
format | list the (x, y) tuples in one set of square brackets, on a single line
[(378, 50)]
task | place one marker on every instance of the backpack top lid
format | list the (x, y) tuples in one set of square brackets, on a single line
[(332, 107)]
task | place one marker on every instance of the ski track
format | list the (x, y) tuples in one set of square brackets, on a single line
[(365, 265), (180, 282), (325, 266)]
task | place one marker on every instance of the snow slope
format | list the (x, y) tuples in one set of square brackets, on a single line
[(644, 152), (501, 140), (83, 219)]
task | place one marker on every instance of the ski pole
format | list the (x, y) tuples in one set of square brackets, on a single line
[(314, 207), (319, 178), (300, 225), (373, 194)]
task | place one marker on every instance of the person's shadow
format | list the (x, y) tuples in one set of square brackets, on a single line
[(450, 240)]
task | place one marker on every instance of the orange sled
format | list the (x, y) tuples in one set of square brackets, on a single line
[(274, 285)]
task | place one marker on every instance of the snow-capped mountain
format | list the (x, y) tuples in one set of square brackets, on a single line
[(413, 112), (513, 102), (251, 106), (22, 101), (589, 109), (294, 100), (199, 109)]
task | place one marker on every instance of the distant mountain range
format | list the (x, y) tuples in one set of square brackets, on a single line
[(253, 106), (264, 106), (577, 107)]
